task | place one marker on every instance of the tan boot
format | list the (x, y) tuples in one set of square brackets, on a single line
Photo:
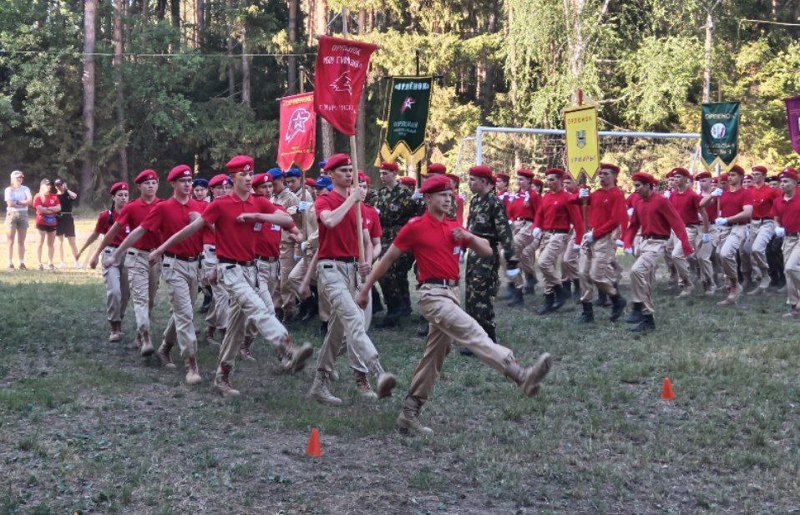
[(734, 292), (529, 378), (163, 354), (297, 356), (222, 382), (192, 374), (245, 349), (408, 420), (210, 330), (385, 380), (320, 391), (147, 346), (115, 335), (362, 385)]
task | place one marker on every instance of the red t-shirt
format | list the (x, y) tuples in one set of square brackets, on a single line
[(557, 212), (48, 220), (606, 211), (524, 204), (632, 200), (506, 197), (236, 240), (687, 204), (268, 244), (763, 198), (104, 222), (169, 217), (373, 222), (459, 209), (789, 212), (657, 217), (732, 202), (434, 246), (342, 240), (132, 215)]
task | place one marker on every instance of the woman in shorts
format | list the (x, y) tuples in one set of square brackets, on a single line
[(18, 198), (47, 208), (66, 223)]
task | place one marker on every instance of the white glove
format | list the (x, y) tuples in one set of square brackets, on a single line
[(706, 238), (583, 193), (628, 251), (512, 273), (537, 233), (303, 246), (630, 212), (588, 237), (619, 243), (416, 195), (667, 194), (717, 192), (721, 221), (291, 210), (575, 246), (303, 206), (780, 232), (377, 210)]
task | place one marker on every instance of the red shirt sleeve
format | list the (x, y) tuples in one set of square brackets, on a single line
[(633, 228), (152, 222), (576, 218), (677, 225), (212, 212), (265, 206), (405, 238)]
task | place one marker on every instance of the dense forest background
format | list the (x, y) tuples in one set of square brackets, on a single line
[(95, 91)]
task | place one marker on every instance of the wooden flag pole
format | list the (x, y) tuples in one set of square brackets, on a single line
[(354, 159), (305, 190), (583, 180)]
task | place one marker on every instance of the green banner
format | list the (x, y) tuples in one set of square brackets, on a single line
[(720, 134), (407, 115)]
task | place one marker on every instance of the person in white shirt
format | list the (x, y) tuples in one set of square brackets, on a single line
[(18, 198)]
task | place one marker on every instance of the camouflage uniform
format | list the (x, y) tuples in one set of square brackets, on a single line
[(396, 208), (487, 219)]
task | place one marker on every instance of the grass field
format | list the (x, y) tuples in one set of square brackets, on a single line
[(88, 426)]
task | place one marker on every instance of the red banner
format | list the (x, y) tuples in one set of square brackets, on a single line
[(298, 134), (793, 116), (339, 80)]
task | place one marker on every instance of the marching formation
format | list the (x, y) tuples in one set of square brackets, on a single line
[(272, 249)]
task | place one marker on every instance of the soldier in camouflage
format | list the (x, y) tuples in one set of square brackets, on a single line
[(487, 219), (396, 208)]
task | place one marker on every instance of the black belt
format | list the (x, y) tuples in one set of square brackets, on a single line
[(694, 225), (792, 234), (136, 251), (66, 213), (762, 219), (181, 258), (556, 231), (267, 259), (520, 219), (654, 237), (342, 259), (235, 262), (441, 282)]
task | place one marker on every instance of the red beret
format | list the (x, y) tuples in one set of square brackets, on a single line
[(644, 177), (611, 167), (362, 177), (146, 175), (179, 172), (524, 172), (737, 169), (337, 160), (218, 179), (118, 186), (503, 176), (392, 167), (788, 173), (748, 176), (555, 171), (261, 178), (407, 180), (435, 168), (436, 184), (454, 177), (680, 171), (760, 169), (537, 181), (702, 175), (483, 171), (311, 182), (723, 177), (240, 164)]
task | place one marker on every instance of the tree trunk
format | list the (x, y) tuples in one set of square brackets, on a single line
[(231, 70), (707, 69), (175, 12), (573, 11), (326, 128), (87, 171), (488, 76), (292, 60), (161, 9), (245, 65), (200, 16), (116, 63)]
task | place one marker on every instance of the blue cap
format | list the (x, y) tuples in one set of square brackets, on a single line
[(325, 182), (294, 172), (276, 173), (321, 164), (200, 182)]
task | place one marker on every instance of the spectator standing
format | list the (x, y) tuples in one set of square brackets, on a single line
[(47, 208), (18, 198)]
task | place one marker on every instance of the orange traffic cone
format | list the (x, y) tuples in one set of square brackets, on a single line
[(666, 390), (314, 448)]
